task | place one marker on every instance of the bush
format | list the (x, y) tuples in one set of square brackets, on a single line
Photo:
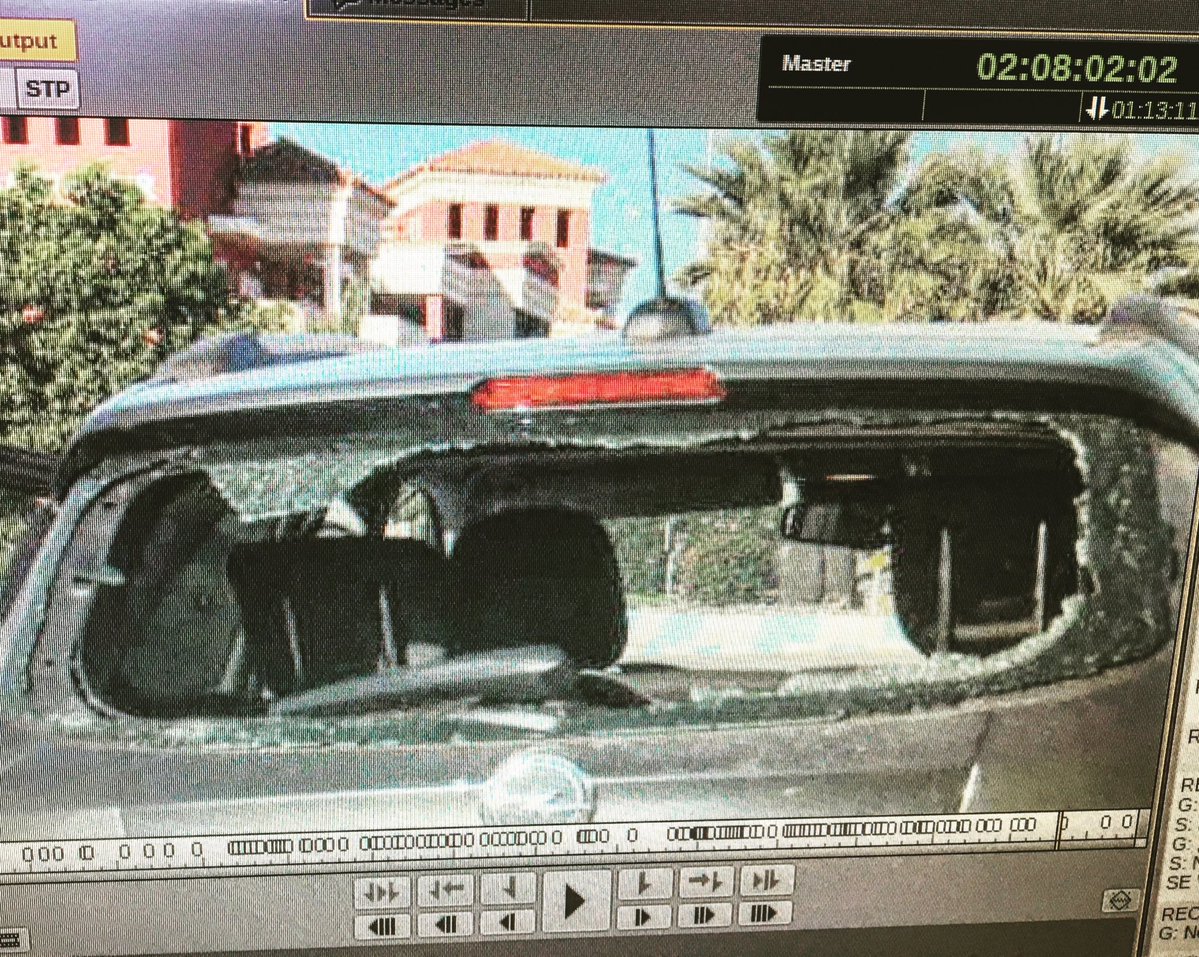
[(96, 288), (249, 316), (730, 557), (641, 554), (721, 558)]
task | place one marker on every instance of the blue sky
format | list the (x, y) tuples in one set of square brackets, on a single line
[(621, 222)]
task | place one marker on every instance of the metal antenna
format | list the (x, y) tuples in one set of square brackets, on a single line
[(659, 265)]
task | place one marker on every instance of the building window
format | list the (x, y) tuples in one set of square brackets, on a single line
[(454, 225), (563, 228), (66, 130), (526, 223), (530, 327), (116, 131), (16, 130), (455, 323), (491, 222)]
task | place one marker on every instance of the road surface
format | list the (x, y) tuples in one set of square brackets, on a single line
[(780, 638)]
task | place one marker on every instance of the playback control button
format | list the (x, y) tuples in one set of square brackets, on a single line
[(768, 880), (506, 889), (445, 890), (494, 922), (646, 884), (643, 917), (764, 913), (714, 914), (382, 926), (576, 901), (657, 898), (706, 882), (382, 893), (448, 924)]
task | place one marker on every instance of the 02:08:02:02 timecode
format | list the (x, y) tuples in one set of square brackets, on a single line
[(1147, 70)]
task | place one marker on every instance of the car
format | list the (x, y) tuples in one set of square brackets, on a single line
[(674, 574)]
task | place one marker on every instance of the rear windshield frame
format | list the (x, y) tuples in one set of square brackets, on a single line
[(64, 701)]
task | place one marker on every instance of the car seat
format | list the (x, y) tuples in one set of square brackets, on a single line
[(320, 610), (539, 577)]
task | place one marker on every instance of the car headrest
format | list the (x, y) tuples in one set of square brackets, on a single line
[(320, 610), (539, 577)]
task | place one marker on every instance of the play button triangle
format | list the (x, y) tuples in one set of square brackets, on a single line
[(573, 901)]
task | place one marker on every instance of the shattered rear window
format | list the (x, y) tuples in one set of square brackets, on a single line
[(806, 567)]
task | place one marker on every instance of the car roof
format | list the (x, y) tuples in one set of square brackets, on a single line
[(800, 351), (1142, 362)]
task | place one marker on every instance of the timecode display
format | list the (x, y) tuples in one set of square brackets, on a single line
[(1152, 110), (1050, 67), (957, 62), (1001, 81)]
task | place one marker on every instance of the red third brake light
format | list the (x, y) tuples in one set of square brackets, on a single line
[(598, 388)]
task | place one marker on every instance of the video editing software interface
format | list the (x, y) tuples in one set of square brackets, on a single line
[(572, 477)]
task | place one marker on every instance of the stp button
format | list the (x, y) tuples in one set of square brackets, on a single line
[(47, 89)]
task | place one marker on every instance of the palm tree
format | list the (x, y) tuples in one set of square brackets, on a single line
[(812, 226), (1050, 227), (793, 220)]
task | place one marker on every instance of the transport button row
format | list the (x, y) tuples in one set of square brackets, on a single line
[(572, 901)]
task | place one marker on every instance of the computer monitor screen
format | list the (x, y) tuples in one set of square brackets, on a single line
[(527, 477)]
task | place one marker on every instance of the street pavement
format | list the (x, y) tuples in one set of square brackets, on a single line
[(779, 638)]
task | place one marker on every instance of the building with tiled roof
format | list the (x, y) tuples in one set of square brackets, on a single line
[(494, 240), (303, 225), (289, 223), (501, 158), (189, 166)]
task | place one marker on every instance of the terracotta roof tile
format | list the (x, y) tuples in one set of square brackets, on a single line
[(286, 161), (602, 255), (500, 158)]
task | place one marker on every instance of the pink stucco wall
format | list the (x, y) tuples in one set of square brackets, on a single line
[(430, 223), (188, 166)]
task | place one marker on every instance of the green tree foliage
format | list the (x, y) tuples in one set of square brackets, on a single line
[(1047, 230), (835, 225), (96, 287), (730, 557), (717, 558), (794, 222)]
